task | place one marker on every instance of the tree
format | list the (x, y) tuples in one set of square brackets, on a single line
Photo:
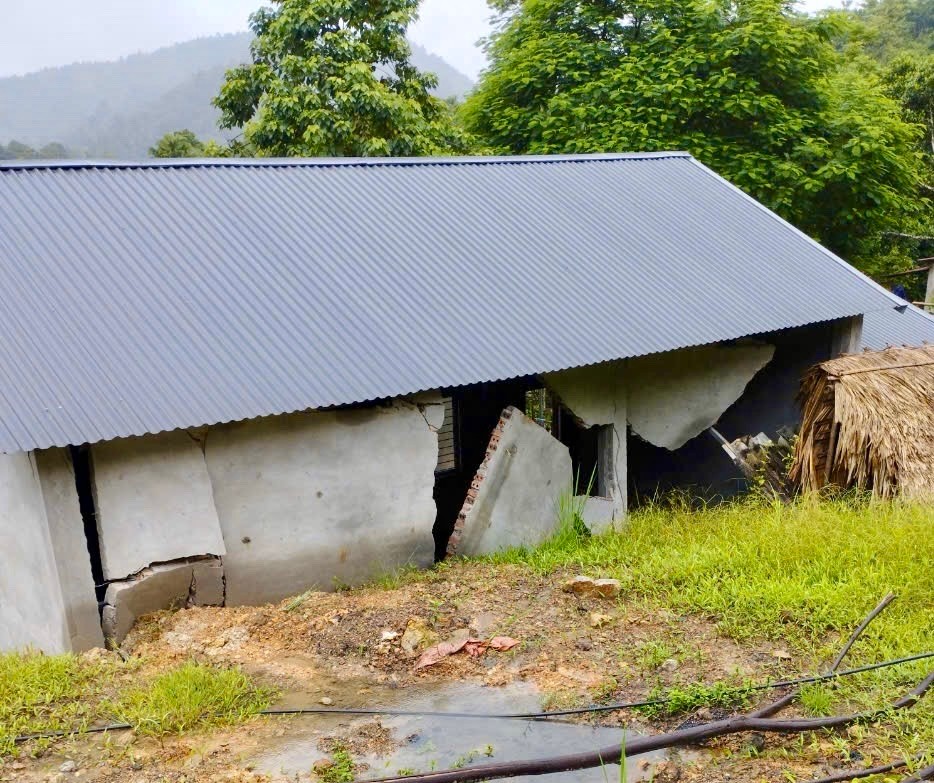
[(179, 144), (753, 90), (334, 78)]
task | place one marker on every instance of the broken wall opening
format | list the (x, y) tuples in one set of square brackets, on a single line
[(84, 484), (476, 410), (768, 404)]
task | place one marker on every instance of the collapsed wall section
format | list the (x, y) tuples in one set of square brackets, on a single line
[(675, 396), (513, 500), (154, 502), (32, 611), (323, 498), (597, 397)]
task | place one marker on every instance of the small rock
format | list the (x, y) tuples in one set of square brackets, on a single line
[(599, 620), (417, 637), (327, 701), (390, 636), (671, 665), (584, 644), (322, 766), (68, 766), (584, 585), (782, 655), (667, 772)]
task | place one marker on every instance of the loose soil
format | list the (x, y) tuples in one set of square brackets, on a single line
[(346, 649)]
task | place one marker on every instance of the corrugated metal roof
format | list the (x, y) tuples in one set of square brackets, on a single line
[(887, 328), (142, 297)]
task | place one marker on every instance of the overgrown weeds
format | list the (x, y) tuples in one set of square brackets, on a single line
[(65, 693), (40, 693), (191, 697)]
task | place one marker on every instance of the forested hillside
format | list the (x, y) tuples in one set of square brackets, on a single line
[(119, 109)]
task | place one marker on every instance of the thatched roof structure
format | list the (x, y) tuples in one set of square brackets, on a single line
[(869, 423)]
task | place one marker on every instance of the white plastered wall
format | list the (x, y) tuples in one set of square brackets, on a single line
[(72, 559), (32, 612), (321, 499)]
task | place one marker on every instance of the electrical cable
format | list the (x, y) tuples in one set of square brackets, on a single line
[(532, 716)]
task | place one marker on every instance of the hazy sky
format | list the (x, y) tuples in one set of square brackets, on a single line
[(57, 32)]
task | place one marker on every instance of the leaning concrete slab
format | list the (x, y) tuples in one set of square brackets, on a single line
[(154, 502), (168, 586), (72, 559), (323, 499), (513, 500), (32, 612), (675, 396)]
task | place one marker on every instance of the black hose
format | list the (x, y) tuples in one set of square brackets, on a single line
[(534, 716)]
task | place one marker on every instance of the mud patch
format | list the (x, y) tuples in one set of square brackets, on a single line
[(414, 743)]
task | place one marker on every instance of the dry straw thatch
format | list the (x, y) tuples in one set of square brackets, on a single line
[(869, 423)]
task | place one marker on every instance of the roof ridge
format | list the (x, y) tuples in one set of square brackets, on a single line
[(455, 160)]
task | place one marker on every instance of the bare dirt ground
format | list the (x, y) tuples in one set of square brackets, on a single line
[(346, 650)]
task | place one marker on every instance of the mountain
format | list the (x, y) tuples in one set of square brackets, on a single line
[(120, 109)]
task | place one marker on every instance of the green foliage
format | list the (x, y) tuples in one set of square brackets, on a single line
[(16, 150), (335, 78), (191, 697), (180, 144), (751, 89), (40, 693), (690, 698), (342, 769), (803, 575)]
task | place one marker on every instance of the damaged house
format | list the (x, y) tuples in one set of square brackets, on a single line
[(229, 381)]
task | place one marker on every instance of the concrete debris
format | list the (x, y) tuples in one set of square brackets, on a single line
[(585, 586), (513, 498), (193, 582), (671, 665)]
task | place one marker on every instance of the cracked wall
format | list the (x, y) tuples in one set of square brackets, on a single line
[(188, 582), (324, 498), (154, 502), (597, 397), (70, 547)]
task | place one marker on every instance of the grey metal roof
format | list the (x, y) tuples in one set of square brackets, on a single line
[(886, 328), (142, 297)]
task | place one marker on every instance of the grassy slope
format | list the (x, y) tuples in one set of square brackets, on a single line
[(804, 574)]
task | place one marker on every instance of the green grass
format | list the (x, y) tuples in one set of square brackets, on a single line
[(342, 769), (41, 693), (191, 697), (803, 574)]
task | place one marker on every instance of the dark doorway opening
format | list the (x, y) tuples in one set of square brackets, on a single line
[(584, 443), (476, 411), (84, 483)]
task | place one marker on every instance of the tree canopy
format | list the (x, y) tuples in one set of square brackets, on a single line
[(750, 88), (335, 78)]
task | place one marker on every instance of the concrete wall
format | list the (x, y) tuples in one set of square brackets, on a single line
[(675, 396), (72, 559), (597, 396), (32, 612), (513, 500), (323, 498), (154, 502)]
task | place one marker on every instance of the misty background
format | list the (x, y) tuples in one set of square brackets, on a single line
[(107, 78)]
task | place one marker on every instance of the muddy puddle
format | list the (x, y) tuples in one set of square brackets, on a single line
[(409, 744)]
